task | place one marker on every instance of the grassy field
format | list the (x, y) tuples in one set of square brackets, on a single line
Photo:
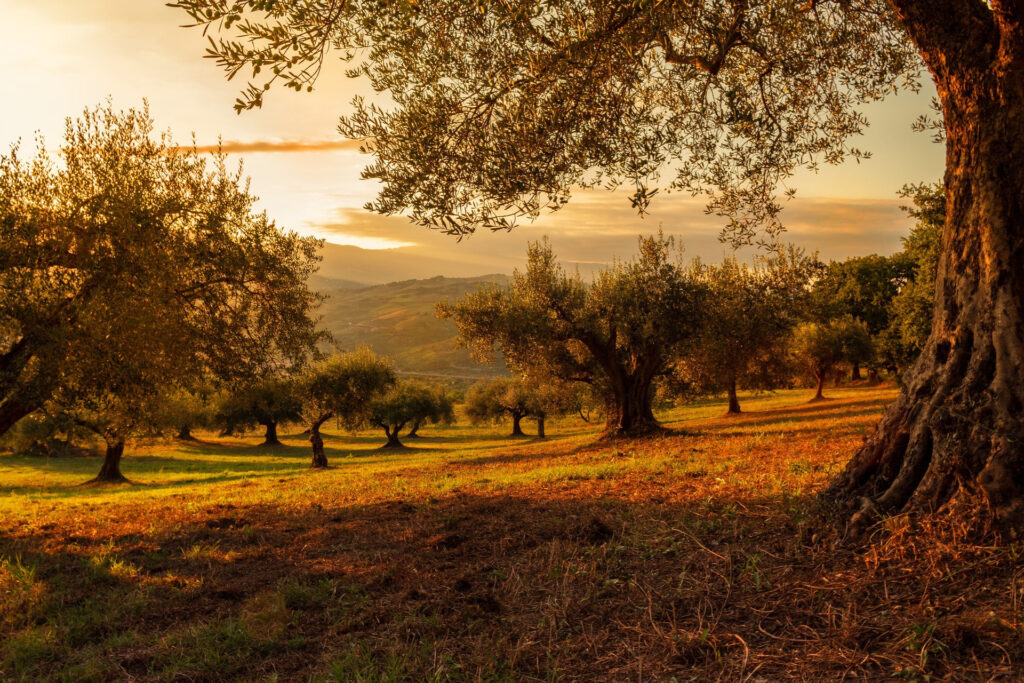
[(473, 556)]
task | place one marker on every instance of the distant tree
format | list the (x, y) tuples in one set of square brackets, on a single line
[(342, 387), (115, 417), (186, 410), (128, 263), (912, 308), (748, 319), (408, 404), (442, 411), (819, 347), (863, 288), (269, 402), (551, 398), (497, 399), (617, 332)]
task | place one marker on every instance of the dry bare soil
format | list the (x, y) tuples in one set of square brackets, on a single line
[(472, 556)]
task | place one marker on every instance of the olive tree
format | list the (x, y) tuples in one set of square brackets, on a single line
[(497, 399), (617, 332), (408, 404), (342, 386), (186, 409), (820, 347), (497, 109), (749, 316), (129, 265), (863, 288), (912, 308), (268, 402)]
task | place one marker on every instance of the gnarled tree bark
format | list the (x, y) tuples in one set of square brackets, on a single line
[(734, 401), (317, 441), (110, 471), (270, 435), (957, 428), (629, 410), (392, 434)]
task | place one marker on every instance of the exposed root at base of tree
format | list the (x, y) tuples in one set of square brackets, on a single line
[(954, 439)]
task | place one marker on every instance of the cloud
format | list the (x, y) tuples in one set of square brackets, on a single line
[(602, 227), (277, 146)]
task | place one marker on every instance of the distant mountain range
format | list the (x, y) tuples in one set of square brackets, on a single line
[(397, 320), (379, 266)]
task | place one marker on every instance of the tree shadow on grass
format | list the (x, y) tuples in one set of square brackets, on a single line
[(808, 413), (531, 587), (144, 472)]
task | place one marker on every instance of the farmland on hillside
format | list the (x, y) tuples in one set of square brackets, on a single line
[(398, 320)]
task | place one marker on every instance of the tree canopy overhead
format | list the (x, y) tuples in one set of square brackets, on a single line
[(501, 108)]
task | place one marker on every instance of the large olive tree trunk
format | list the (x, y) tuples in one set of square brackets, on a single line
[(110, 471), (734, 400), (270, 435), (517, 428), (392, 434), (317, 441), (957, 429), (629, 407)]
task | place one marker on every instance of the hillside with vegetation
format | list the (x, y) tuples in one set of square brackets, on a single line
[(398, 320)]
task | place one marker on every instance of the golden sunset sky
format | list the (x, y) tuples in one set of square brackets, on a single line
[(64, 55)]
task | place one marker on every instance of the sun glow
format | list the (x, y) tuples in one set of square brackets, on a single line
[(362, 241)]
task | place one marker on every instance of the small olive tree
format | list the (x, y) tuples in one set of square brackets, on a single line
[(749, 316), (409, 404), (498, 399), (269, 402), (819, 347), (342, 386)]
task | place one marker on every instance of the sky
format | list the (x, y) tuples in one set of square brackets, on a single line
[(65, 55)]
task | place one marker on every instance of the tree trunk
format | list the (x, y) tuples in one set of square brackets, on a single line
[(185, 434), (630, 413), (956, 433), (270, 436), (855, 373), (414, 432), (873, 377), (517, 430), (540, 427), (837, 377), (110, 471), (393, 441), (819, 391), (319, 456), (734, 401)]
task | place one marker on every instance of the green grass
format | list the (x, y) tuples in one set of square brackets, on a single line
[(473, 556)]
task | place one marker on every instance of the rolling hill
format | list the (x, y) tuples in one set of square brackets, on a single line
[(397, 320)]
